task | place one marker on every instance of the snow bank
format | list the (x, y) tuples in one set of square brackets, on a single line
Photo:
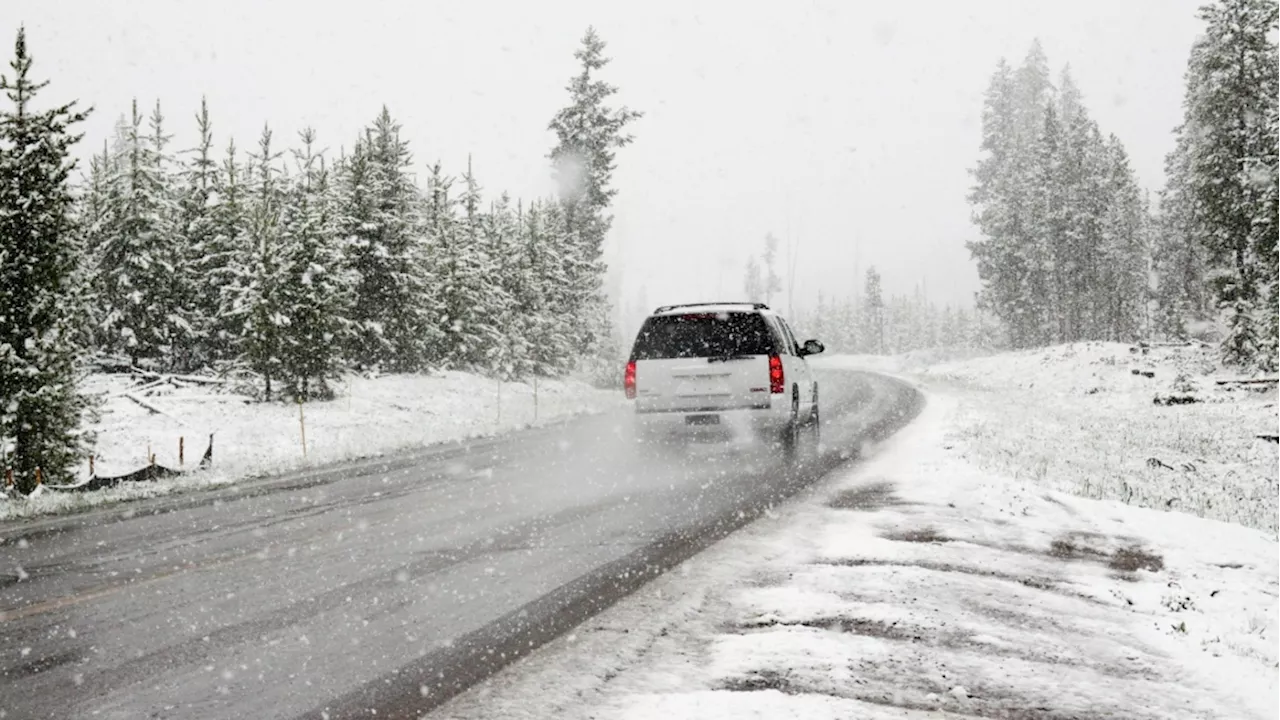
[(370, 417), (918, 582), (902, 364), (1083, 419)]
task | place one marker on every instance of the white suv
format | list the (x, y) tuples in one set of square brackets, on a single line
[(722, 369)]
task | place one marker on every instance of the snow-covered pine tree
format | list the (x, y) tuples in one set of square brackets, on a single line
[(1044, 189), (221, 268), (588, 134), (1179, 257), (772, 283), (873, 314), (474, 301), (368, 347), (259, 269), (548, 328), (176, 298), (505, 282), (1079, 179), (558, 350), (753, 281), (1230, 131), (536, 291), (91, 212), (42, 408), (1046, 223), (848, 333), (1121, 286), (947, 335), (139, 252), (457, 271), (381, 224), (315, 287), (1035, 147), (201, 252), (999, 197)]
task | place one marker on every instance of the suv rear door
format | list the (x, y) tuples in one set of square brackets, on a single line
[(695, 362), (797, 368)]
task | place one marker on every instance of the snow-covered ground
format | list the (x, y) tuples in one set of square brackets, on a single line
[(371, 416), (942, 578), (1083, 419)]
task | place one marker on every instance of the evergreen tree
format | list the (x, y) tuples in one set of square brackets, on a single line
[(202, 255), (1063, 224), (457, 269), (588, 134), (1122, 287), (753, 282), (1080, 180), (1179, 257), (379, 218), (259, 268), (1229, 135), (138, 258), (220, 270), (873, 314), (818, 325), (560, 341), (475, 299), (314, 287), (91, 221), (1000, 196), (772, 283), (41, 411), (504, 282)]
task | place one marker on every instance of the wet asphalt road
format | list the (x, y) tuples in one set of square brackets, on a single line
[(388, 585)]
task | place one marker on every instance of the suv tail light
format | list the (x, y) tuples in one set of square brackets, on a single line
[(777, 383), (629, 380)]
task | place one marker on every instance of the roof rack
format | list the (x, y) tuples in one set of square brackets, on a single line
[(755, 305)]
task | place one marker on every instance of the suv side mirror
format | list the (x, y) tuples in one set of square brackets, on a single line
[(812, 347)]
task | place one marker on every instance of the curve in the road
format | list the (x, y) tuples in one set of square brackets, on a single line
[(386, 585), (434, 679)]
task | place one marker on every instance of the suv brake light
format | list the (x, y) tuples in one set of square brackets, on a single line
[(777, 383), (629, 380)]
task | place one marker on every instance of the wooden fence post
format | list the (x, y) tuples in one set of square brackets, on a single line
[(302, 426)]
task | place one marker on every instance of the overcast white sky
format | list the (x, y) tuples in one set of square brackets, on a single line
[(846, 127)]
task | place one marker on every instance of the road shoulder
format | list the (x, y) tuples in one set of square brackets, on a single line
[(916, 583)]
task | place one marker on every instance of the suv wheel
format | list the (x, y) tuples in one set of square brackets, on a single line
[(815, 430), (791, 433)]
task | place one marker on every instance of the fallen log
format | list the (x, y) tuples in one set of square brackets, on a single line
[(140, 388), (199, 379), (152, 408), (1176, 400), (211, 398)]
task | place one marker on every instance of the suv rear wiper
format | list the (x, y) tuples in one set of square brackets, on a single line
[(727, 358)]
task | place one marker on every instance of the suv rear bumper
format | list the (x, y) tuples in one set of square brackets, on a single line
[(713, 424)]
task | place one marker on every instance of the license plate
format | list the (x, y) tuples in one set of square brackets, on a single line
[(702, 419)]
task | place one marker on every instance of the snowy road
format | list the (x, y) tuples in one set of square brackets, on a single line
[(393, 589)]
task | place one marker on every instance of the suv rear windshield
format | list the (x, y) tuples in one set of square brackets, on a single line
[(702, 335)]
